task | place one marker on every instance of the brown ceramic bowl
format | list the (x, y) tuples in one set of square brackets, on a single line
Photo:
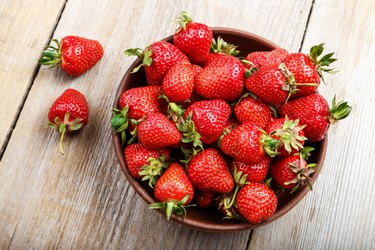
[(212, 220)]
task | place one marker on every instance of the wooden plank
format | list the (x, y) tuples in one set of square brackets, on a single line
[(81, 199), (340, 212), (24, 32)]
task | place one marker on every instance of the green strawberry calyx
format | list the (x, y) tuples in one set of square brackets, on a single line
[(322, 64), (120, 122), (240, 181), (289, 135), (338, 111), (65, 126), (183, 20), (220, 46), (144, 55), (302, 175), (153, 170), (173, 207), (270, 144), (52, 54)]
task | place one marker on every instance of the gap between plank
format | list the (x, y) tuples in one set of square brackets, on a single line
[(300, 48), (34, 75)]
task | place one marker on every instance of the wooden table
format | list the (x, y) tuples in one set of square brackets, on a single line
[(82, 200)]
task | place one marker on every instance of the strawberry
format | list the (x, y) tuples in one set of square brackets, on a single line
[(205, 199), (193, 39), (209, 117), (178, 83), (314, 112), (256, 202), (249, 109), (291, 132), (261, 58), (196, 69), (173, 190), (75, 54), (223, 78), (157, 59), (209, 171), (255, 172), (156, 131), (144, 163), (292, 172), (68, 113), (220, 49)]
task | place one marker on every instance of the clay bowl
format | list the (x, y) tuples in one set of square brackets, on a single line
[(211, 220)]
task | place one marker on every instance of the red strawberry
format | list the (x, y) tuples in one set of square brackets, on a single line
[(256, 172), (193, 39), (223, 78), (156, 131), (261, 58), (141, 101), (209, 117), (291, 132), (173, 190), (75, 54), (314, 112), (178, 83), (196, 69), (208, 171), (292, 172), (144, 163), (256, 202), (205, 199), (220, 49), (252, 110), (68, 113), (158, 58)]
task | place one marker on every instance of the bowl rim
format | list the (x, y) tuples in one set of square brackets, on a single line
[(199, 225)]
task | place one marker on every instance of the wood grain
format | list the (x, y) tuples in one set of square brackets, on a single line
[(81, 199), (340, 212), (24, 32)]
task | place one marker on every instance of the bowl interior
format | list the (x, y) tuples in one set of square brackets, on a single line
[(211, 219)]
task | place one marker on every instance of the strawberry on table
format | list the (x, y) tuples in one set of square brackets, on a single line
[(74, 54), (174, 191), (68, 113), (193, 39), (256, 202), (314, 112), (157, 59), (178, 83)]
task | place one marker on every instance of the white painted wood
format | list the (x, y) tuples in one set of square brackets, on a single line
[(340, 212), (24, 32), (81, 199)]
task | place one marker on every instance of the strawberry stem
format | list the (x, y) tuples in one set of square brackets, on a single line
[(152, 170), (338, 111), (322, 64), (172, 207), (183, 20), (144, 55), (51, 55), (62, 130), (219, 46)]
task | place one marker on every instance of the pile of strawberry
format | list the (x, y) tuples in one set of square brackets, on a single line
[(212, 128)]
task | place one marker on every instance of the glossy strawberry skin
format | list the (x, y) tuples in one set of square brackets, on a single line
[(304, 71), (262, 58), (256, 172), (194, 41), (158, 132), (209, 171), (256, 202), (281, 172), (164, 56), (71, 101), (205, 199), (243, 143), (253, 110), (267, 83), (277, 124), (210, 118), (196, 69), (137, 155), (223, 78), (173, 185), (142, 101), (79, 54), (178, 83), (312, 111)]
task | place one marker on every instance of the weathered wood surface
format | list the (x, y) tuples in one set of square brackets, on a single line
[(82, 200), (340, 212), (24, 32)]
